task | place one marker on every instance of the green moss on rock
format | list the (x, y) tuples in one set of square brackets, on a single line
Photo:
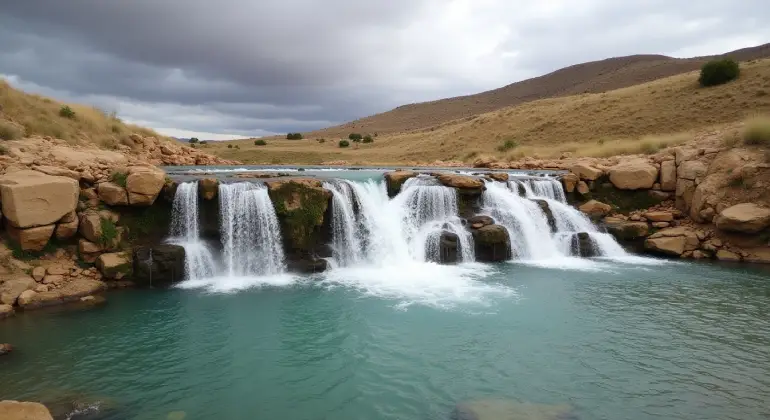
[(300, 205)]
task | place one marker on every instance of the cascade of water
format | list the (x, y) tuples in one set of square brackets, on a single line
[(199, 261), (540, 188), (347, 244), (251, 235)]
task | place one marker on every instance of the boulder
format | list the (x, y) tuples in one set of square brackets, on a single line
[(462, 182), (114, 265), (595, 208), (26, 297), (38, 273), (208, 188), (582, 245), (5, 348), (743, 218), (497, 176), (569, 181), (16, 410), (633, 174), (31, 198), (91, 226), (112, 194), (53, 279), (300, 205), (71, 291), (448, 248), (88, 247), (480, 221), (586, 171), (673, 241), (67, 230), (625, 230), (692, 170), (144, 184), (31, 239), (158, 265), (6, 310), (492, 243), (582, 188), (682, 155), (394, 181), (668, 175), (659, 216), (725, 255)]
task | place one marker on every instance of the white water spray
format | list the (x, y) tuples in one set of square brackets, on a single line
[(185, 231)]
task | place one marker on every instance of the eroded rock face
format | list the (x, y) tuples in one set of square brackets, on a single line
[(673, 241), (31, 198), (633, 174), (743, 218), (159, 265), (300, 204), (394, 181), (492, 243), (15, 410)]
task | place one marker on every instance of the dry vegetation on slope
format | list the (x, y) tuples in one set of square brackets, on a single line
[(25, 115), (635, 119)]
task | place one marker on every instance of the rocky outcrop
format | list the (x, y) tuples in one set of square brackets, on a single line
[(143, 185), (112, 194), (492, 243), (31, 239), (300, 205), (394, 181), (16, 410), (208, 188), (159, 265), (633, 174), (583, 245), (743, 218), (31, 198), (69, 292), (673, 241), (12, 287), (116, 265), (595, 209)]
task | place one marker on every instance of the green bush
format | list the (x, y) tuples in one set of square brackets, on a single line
[(119, 178), (344, 143), (508, 145), (229, 146), (10, 131), (368, 139), (294, 136), (356, 137), (260, 142), (66, 112), (194, 140), (109, 233), (719, 71)]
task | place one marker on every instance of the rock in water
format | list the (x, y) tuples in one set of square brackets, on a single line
[(448, 246), (492, 243), (159, 265), (394, 181), (548, 213), (583, 245), (17, 410), (510, 410), (5, 348)]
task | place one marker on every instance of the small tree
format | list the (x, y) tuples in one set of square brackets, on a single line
[(356, 137), (717, 72), (66, 112), (344, 143), (229, 146), (260, 142), (294, 136), (194, 140), (368, 139)]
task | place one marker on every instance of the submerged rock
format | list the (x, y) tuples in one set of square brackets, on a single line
[(70, 292), (492, 243), (5, 348), (583, 245), (18, 410), (158, 265), (546, 209), (500, 409)]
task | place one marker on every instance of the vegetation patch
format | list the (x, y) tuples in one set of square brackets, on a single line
[(344, 143), (260, 142), (508, 144), (66, 112), (294, 136), (10, 131), (757, 132), (368, 139), (718, 72), (109, 233), (119, 178), (301, 224)]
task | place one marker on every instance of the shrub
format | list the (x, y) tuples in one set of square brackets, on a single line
[(717, 72), (294, 136), (356, 137), (204, 142), (119, 178), (757, 132), (229, 146), (344, 143), (109, 232), (260, 142), (368, 139), (9, 131), (322, 140), (194, 140), (508, 145), (66, 112)]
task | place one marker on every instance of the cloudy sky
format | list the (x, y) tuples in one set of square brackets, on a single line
[(229, 68)]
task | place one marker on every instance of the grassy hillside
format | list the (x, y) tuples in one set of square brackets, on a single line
[(628, 120), (23, 114)]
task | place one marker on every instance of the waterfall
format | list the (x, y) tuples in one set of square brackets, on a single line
[(251, 235), (185, 231), (346, 234)]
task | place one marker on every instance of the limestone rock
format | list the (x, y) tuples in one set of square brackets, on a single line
[(26, 297), (112, 194), (144, 184), (725, 255), (31, 198), (208, 188), (673, 241), (595, 208), (625, 230), (586, 171), (460, 181), (69, 292), (569, 181), (6, 311), (744, 218), (31, 239), (58, 171), (15, 410), (659, 216), (114, 264), (492, 243), (394, 181), (633, 174), (68, 230), (38, 273), (692, 170), (668, 175), (159, 265)]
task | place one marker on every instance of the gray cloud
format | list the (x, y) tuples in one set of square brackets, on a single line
[(255, 67)]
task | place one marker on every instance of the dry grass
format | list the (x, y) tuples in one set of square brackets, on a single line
[(637, 119), (37, 115), (756, 132)]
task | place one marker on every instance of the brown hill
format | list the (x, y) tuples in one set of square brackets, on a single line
[(592, 77)]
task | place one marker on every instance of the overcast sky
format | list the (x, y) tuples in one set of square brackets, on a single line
[(218, 69)]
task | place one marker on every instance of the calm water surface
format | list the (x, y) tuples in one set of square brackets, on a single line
[(614, 340)]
